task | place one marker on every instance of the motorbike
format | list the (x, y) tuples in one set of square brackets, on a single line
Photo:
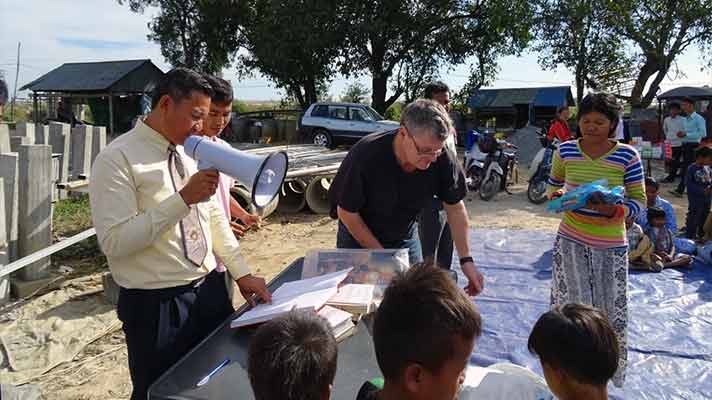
[(491, 166), (541, 167)]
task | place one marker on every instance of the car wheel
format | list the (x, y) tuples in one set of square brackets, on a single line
[(322, 137)]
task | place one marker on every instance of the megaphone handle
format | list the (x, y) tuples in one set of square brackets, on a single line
[(203, 165)]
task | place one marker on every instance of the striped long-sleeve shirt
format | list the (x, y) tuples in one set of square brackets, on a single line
[(621, 166)]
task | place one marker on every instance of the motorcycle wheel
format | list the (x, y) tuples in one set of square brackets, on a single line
[(474, 178), (490, 187), (536, 192)]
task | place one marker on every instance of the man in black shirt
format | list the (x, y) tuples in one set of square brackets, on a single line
[(388, 177)]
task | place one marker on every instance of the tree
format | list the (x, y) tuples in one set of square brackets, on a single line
[(294, 42), (197, 34), (661, 30), (355, 93), (402, 43), (576, 34)]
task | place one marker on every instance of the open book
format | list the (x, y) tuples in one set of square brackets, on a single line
[(305, 294), (355, 298)]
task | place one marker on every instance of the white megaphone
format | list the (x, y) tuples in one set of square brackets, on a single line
[(262, 175)]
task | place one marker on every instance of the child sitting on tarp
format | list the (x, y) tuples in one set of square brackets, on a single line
[(662, 239), (639, 248)]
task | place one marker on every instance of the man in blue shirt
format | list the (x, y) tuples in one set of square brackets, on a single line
[(695, 130), (654, 200)]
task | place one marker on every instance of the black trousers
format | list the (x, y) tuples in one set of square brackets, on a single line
[(697, 212), (675, 161), (688, 157), (162, 325), (435, 235)]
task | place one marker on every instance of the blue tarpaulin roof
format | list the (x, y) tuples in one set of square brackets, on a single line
[(506, 98)]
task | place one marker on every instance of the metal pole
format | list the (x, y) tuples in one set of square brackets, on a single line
[(17, 73), (111, 114)]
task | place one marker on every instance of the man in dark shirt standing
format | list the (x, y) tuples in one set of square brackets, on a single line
[(386, 180)]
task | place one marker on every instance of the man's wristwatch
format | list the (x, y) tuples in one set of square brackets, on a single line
[(464, 260)]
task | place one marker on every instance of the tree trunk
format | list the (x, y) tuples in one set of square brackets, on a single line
[(580, 85), (646, 71), (379, 89)]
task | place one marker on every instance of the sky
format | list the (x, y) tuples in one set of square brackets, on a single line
[(53, 32)]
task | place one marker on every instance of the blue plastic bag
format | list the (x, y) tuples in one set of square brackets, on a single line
[(578, 198)]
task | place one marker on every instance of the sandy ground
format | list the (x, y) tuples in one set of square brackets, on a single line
[(100, 371)]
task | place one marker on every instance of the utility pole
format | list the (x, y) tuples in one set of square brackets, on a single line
[(17, 74)]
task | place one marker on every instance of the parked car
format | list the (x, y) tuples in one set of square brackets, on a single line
[(329, 124)]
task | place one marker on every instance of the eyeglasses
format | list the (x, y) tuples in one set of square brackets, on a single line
[(421, 152)]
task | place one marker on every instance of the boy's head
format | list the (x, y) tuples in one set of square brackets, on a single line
[(293, 357), (220, 106), (424, 333), (703, 156), (656, 217), (674, 109), (652, 188), (576, 346)]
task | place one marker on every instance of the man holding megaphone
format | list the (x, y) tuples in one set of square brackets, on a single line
[(159, 224)]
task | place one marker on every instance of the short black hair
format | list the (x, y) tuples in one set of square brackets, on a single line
[(655, 212), (652, 182), (292, 357), (433, 88), (179, 84), (675, 106), (579, 340), (688, 100), (422, 313), (603, 103), (561, 109), (703, 152), (222, 90), (3, 92)]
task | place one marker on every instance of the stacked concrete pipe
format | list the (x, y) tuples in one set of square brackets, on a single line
[(316, 194), (291, 197)]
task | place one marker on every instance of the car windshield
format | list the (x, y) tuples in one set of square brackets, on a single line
[(375, 114)]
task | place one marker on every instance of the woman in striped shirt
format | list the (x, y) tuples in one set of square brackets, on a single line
[(590, 253)]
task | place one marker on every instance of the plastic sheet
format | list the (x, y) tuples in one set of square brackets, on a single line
[(670, 328)]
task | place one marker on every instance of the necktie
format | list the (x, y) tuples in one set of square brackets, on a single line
[(195, 247)]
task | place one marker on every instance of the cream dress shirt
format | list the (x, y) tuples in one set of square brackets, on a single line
[(136, 213)]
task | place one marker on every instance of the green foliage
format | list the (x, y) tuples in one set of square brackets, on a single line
[(660, 30), (404, 44), (295, 43), (71, 216), (197, 34), (393, 112), (577, 35), (355, 93)]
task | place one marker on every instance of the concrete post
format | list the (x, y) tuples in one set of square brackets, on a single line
[(35, 208), (4, 250), (41, 134), (17, 141), (81, 150), (56, 163), (9, 167), (4, 138), (98, 141), (26, 129), (59, 139)]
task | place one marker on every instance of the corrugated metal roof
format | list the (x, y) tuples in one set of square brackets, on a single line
[(92, 76), (697, 93), (506, 98)]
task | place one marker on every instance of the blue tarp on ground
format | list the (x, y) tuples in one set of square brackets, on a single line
[(670, 328)]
